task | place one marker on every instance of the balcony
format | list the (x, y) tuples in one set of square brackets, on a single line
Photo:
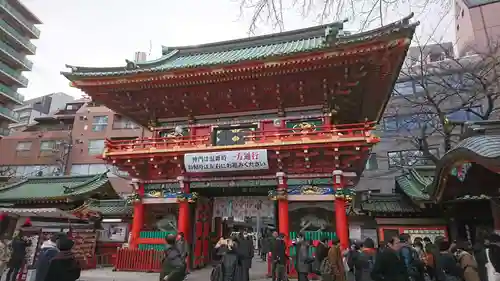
[(4, 132), (276, 138), (21, 60), (20, 39), (13, 75), (20, 18), (9, 114), (11, 94)]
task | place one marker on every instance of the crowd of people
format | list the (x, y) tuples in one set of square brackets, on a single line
[(232, 258), (55, 261), (398, 259)]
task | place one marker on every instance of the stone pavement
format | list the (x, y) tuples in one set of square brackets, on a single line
[(257, 273)]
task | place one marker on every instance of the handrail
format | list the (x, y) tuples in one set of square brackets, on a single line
[(30, 46), (9, 113), (18, 76), (11, 93), (263, 136), (21, 18), (4, 132), (26, 62)]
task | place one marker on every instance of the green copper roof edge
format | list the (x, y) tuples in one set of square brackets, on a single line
[(14, 184), (408, 187), (91, 180), (119, 71), (95, 178)]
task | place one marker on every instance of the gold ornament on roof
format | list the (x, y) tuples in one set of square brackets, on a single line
[(312, 190), (304, 127)]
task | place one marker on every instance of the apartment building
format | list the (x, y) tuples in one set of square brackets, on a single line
[(477, 26), (68, 142), (406, 114), (38, 107), (17, 28)]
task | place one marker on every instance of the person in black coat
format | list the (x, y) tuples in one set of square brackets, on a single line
[(231, 263), (18, 257), (64, 266), (245, 250), (389, 265), (280, 258), (321, 254)]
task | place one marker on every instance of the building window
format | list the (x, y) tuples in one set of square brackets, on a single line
[(458, 27), (465, 114), (23, 148), (96, 147), (120, 123), (87, 169), (404, 88), (47, 148), (405, 158), (371, 163), (36, 170), (100, 123), (390, 123)]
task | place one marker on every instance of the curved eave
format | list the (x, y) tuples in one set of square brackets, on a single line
[(481, 150), (402, 27), (78, 191)]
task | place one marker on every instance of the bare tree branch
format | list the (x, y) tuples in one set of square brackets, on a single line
[(436, 91)]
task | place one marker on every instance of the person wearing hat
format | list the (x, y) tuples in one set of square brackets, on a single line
[(48, 251), (64, 266)]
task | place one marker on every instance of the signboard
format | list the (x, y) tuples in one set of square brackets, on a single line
[(224, 161), (113, 232)]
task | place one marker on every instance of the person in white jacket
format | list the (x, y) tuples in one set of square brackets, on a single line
[(48, 251)]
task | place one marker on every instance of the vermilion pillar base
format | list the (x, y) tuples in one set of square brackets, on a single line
[(183, 219), (341, 223), (137, 223), (283, 217)]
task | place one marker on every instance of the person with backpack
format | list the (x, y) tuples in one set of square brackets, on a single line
[(447, 268), (388, 264), (48, 251), (363, 262), (414, 265), (173, 266)]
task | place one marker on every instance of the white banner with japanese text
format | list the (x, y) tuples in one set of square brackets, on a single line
[(223, 161)]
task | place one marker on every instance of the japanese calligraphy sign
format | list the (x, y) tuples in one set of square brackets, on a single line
[(234, 160)]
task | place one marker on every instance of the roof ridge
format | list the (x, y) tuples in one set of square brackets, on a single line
[(96, 177), (12, 185), (319, 31)]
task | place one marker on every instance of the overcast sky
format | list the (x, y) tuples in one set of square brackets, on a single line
[(106, 32)]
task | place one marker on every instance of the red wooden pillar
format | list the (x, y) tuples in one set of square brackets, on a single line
[(283, 206), (184, 214), (342, 226), (138, 219)]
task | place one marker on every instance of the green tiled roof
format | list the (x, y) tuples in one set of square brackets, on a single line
[(392, 203), (416, 184), (115, 207), (482, 150), (46, 188), (249, 49)]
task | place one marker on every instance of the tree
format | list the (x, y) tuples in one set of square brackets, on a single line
[(364, 12), (436, 93), (6, 172)]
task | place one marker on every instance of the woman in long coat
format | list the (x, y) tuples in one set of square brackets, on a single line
[(467, 262), (332, 268)]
